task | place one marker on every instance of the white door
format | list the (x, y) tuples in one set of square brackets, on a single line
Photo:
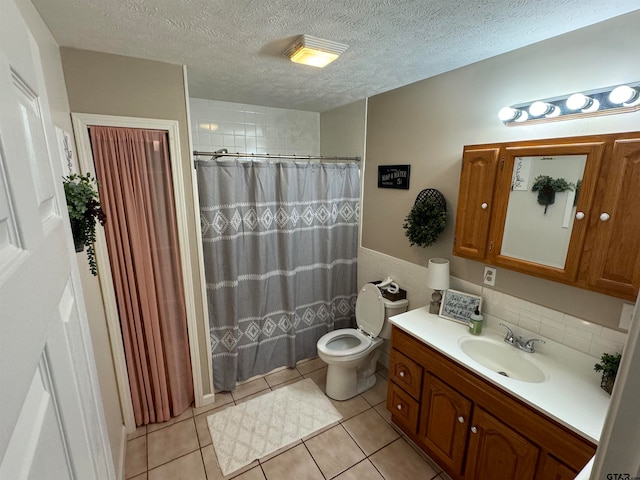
[(51, 420)]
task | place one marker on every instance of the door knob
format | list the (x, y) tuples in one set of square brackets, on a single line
[(474, 429), (401, 374), (604, 216), (399, 407), (461, 419), (579, 215), (484, 206)]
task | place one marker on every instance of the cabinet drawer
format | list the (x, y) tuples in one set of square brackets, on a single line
[(406, 373), (403, 408)]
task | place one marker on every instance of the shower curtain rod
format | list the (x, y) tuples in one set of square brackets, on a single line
[(225, 153)]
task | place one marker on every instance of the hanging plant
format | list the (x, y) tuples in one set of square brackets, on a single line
[(84, 210), (425, 222), (547, 187)]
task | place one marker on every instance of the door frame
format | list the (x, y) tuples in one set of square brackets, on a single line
[(81, 122)]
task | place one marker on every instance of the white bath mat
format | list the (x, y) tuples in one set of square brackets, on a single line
[(260, 426)]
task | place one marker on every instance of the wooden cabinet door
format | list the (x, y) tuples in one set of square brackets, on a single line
[(406, 373), (444, 422), (477, 179), (555, 470), (404, 409), (496, 452), (615, 264)]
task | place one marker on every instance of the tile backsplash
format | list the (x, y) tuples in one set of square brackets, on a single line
[(568, 330), (253, 128)]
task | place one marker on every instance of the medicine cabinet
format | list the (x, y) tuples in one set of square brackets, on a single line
[(565, 209)]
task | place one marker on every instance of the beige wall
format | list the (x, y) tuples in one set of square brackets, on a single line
[(342, 130), (426, 124), (108, 84)]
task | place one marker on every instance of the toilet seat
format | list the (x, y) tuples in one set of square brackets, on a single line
[(370, 310), (324, 344), (346, 342)]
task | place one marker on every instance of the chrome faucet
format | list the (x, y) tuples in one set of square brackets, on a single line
[(524, 345), (509, 337), (528, 345)]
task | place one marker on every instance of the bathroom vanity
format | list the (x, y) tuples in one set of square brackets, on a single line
[(446, 394)]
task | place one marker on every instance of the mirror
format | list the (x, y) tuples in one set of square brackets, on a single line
[(541, 208)]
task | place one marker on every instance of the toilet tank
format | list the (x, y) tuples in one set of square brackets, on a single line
[(390, 309)]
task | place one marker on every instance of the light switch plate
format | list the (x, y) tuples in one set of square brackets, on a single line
[(626, 316)]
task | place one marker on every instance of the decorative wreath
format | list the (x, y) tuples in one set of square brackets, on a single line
[(427, 219)]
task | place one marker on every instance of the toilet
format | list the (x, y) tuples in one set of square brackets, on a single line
[(352, 354)]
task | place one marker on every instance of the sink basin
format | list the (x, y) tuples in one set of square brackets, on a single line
[(504, 359)]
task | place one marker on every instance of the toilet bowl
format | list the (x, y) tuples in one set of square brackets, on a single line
[(352, 354)]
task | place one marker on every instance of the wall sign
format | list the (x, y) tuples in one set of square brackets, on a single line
[(459, 306), (394, 176)]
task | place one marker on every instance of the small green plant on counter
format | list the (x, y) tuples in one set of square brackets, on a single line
[(609, 368), (547, 187), (425, 222), (84, 211)]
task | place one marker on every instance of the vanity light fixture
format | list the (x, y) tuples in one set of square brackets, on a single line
[(314, 51), (603, 101)]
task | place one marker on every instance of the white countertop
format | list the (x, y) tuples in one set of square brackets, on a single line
[(570, 394)]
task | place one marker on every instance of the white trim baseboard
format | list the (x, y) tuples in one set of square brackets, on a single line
[(122, 454), (81, 122)]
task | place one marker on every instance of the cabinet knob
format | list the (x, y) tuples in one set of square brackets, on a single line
[(579, 215), (399, 407), (484, 206), (461, 419), (604, 216), (401, 374), (474, 430)]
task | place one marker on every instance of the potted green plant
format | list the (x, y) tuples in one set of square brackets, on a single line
[(609, 368), (547, 187), (425, 222), (84, 211)]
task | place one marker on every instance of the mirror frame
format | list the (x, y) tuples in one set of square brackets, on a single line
[(594, 152)]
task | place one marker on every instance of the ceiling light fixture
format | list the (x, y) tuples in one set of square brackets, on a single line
[(603, 101), (314, 51)]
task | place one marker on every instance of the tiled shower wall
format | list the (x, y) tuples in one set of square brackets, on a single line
[(573, 332), (253, 129)]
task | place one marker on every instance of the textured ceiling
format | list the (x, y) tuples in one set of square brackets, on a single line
[(233, 48)]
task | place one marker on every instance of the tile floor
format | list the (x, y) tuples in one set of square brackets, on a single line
[(363, 445)]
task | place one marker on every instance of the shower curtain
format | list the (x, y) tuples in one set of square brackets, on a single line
[(280, 251)]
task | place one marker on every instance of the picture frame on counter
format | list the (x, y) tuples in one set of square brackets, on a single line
[(458, 306)]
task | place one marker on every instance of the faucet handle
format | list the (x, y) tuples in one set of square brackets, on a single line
[(528, 345), (509, 337)]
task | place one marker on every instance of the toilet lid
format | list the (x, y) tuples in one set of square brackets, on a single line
[(370, 310)]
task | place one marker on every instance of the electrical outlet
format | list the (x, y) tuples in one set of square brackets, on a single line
[(626, 316), (489, 276)]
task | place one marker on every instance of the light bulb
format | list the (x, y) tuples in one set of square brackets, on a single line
[(540, 108), (508, 114), (555, 112), (523, 117), (577, 101), (623, 94)]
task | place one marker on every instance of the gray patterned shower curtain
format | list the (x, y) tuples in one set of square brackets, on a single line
[(280, 252)]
